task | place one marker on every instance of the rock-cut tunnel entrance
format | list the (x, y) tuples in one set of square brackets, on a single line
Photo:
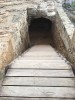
[(40, 31)]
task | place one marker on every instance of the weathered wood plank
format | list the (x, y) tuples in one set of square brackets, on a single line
[(39, 64), (41, 54), (40, 58), (67, 92), (42, 51), (41, 61), (42, 48), (39, 49), (17, 98), (38, 72), (38, 81)]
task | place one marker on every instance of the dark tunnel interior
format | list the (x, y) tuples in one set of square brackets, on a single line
[(40, 31)]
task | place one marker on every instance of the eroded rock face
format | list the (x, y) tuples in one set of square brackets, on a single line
[(6, 49)]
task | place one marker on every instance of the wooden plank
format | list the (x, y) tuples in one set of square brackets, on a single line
[(41, 51), (40, 58), (37, 49), (39, 64), (32, 72), (41, 61), (65, 92), (42, 48), (17, 98), (39, 81), (41, 54)]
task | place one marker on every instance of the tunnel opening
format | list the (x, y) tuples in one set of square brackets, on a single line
[(40, 31)]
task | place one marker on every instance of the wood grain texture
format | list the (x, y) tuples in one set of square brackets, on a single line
[(38, 72), (46, 61), (42, 54), (22, 91), (19, 98), (38, 81), (40, 58), (39, 64)]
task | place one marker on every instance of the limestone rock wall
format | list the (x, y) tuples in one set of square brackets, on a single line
[(13, 41), (6, 49), (66, 29), (57, 40)]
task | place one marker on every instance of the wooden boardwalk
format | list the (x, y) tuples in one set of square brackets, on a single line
[(39, 74)]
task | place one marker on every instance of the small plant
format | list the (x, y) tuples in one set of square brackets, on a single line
[(66, 5), (73, 4), (69, 4)]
